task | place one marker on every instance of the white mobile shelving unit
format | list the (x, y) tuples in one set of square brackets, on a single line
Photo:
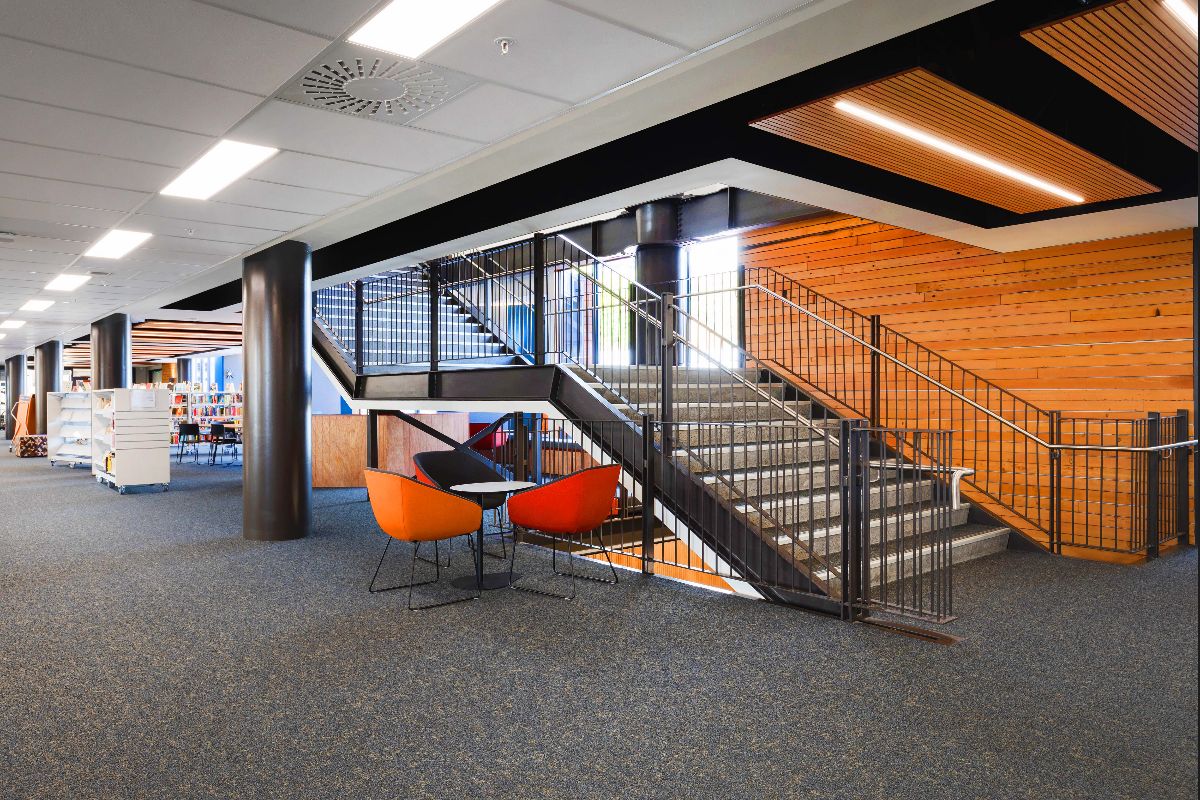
[(69, 428), (131, 437)]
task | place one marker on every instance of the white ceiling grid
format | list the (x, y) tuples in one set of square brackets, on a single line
[(103, 102)]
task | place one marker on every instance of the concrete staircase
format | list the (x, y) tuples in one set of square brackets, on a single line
[(783, 472)]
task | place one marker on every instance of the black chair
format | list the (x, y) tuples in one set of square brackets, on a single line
[(189, 433), (218, 437), (446, 468)]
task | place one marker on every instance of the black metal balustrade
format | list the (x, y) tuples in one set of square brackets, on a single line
[(758, 347)]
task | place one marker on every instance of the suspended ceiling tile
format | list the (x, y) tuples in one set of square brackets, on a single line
[(327, 133), (66, 165), (559, 52), (56, 77), (46, 190), (692, 23), (233, 50), (49, 230), (50, 212), (489, 112), (921, 100), (187, 229), (1137, 52), (285, 198), (331, 19), (329, 174), (225, 213), (33, 123)]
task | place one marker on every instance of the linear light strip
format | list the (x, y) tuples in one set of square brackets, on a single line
[(116, 244), (222, 165), (952, 149), (1184, 13), (411, 28)]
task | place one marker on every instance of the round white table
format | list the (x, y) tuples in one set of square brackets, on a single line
[(493, 580)]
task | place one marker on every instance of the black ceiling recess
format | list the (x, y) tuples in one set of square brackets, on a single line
[(980, 50)]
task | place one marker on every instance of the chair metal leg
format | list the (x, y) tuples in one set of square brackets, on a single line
[(543, 592), (593, 579), (413, 582)]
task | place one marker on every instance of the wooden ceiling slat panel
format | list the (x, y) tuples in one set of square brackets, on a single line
[(1136, 52), (156, 339), (924, 101)]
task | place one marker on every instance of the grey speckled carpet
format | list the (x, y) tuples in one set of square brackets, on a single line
[(147, 651)]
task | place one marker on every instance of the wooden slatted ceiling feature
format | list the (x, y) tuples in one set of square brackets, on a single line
[(1137, 52), (921, 100), (157, 339)]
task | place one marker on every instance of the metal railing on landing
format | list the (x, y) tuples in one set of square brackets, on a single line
[(874, 532), (1082, 482)]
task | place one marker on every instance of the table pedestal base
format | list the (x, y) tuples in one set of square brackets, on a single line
[(492, 580)]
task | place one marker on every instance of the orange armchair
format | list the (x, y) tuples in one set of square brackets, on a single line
[(567, 507), (410, 511)]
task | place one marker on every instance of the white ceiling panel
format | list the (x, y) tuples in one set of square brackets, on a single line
[(225, 213), (285, 198), (326, 133), (34, 260), (691, 23), (49, 212), (234, 51), (56, 77), (30, 245), (67, 165), (330, 174), (68, 193), (166, 226), (558, 52), (33, 123), (323, 17), (489, 112), (49, 230), (206, 247)]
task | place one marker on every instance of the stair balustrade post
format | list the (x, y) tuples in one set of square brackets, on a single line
[(850, 472), (359, 337), (649, 490), (519, 446), (539, 298), (667, 369), (876, 362), (1182, 462), (1054, 545), (435, 296), (1153, 464)]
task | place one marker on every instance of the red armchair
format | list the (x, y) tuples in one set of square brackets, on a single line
[(567, 507)]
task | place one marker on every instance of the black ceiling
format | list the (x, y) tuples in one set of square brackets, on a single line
[(980, 50)]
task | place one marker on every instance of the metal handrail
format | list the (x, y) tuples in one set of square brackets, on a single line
[(983, 409), (653, 294)]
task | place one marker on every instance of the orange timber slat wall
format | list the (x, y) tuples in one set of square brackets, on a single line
[(1100, 328)]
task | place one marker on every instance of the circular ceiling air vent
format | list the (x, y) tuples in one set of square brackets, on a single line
[(374, 88)]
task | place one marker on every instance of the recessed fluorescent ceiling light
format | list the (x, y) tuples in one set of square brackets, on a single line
[(67, 283), (115, 244), (411, 28), (12, 323), (37, 305), (950, 148), (2, 335), (1185, 13), (218, 168)]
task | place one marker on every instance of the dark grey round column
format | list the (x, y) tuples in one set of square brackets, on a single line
[(14, 377), (659, 263), (183, 370), (47, 377), (276, 344), (112, 354)]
